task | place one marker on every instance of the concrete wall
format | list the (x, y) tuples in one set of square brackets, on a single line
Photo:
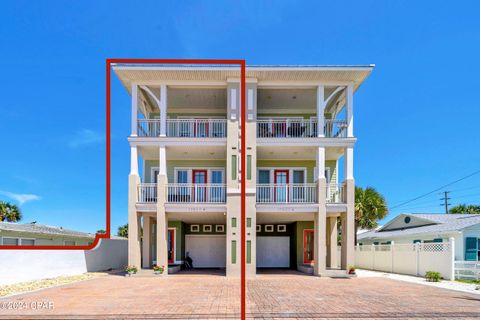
[(27, 265)]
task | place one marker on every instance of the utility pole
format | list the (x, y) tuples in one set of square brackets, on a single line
[(445, 200)]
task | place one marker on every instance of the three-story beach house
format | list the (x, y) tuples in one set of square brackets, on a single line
[(184, 182)]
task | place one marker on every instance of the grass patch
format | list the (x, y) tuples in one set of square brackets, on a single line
[(46, 283), (469, 281)]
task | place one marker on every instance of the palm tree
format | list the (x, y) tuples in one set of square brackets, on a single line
[(370, 206), (9, 212), (463, 208), (123, 231)]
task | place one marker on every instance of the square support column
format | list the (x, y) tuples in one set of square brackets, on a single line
[(162, 224), (320, 111), (163, 110), (147, 242), (332, 242), (134, 255), (134, 110), (319, 237), (348, 227)]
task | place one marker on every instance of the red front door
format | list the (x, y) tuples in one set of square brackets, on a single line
[(171, 246), (281, 185), (199, 179), (308, 246)]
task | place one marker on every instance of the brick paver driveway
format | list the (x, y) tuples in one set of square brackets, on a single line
[(269, 297)]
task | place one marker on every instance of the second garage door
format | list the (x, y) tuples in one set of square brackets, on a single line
[(273, 252), (206, 251)]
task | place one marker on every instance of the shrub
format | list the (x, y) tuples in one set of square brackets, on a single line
[(433, 276), (351, 270), (131, 269)]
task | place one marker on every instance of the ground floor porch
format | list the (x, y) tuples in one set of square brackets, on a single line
[(277, 242)]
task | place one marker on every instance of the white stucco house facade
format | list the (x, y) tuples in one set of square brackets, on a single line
[(425, 228)]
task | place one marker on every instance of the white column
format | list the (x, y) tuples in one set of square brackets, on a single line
[(452, 258), (163, 110), (349, 111), (133, 161), (320, 111), (320, 163), (162, 161), (134, 109), (348, 163)]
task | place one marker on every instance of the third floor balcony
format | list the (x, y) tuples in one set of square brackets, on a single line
[(300, 128), (186, 128)]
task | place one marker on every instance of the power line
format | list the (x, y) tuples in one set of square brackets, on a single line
[(436, 190)]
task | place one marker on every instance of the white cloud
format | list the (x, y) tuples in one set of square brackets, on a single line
[(21, 198), (86, 137)]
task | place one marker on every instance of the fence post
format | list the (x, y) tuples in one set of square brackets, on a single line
[(392, 244), (452, 258), (417, 258), (373, 256)]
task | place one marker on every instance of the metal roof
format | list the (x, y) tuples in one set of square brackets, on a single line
[(441, 223), (42, 229)]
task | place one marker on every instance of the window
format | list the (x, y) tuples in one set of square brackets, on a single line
[(10, 242), (69, 243), (308, 246), (264, 176), (217, 176), (249, 167), (234, 251), (219, 228), (182, 176), (282, 228), (269, 228), (417, 241), (472, 248), (407, 220), (207, 228), (249, 251), (27, 242), (194, 228), (234, 222), (249, 222)]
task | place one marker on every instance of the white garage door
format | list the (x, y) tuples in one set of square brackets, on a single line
[(206, 251), (273, 252)]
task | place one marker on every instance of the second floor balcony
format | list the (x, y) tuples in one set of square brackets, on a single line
[(184, 128), (298, 193), (300, 128), (183, 193)]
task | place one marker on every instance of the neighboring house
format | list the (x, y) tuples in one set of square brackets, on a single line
[(425, 228), (34, 234), (185, 132)]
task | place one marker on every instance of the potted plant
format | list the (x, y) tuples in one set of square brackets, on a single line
[(131, 270), (351, 270), (158, 269)]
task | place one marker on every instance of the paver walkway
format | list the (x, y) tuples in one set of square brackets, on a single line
[(270, 296)]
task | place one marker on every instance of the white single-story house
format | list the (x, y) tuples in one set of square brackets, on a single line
[(415, 227), (34, 234)]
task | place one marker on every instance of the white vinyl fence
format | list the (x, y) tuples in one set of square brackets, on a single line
[(27, 265), (467, 270), (412, 259)]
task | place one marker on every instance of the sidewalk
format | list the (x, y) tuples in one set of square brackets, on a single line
[(445, 284)]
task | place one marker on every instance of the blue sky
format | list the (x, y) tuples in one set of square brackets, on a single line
[(416, 117)]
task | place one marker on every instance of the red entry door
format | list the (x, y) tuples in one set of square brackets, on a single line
[(308, 246), (171, 246), (199, 179), (281, 185)]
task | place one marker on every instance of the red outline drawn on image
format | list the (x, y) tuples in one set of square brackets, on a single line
[(109, 62)]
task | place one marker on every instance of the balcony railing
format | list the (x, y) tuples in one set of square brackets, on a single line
[(287, 193), (196, 193), (147, 193), (300, 128), (196, 128), (336, 193)]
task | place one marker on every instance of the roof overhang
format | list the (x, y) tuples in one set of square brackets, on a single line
[(220, 74)]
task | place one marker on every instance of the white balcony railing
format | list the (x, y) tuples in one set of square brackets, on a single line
[(299, 128), (198, 128), (196, 193), (336, 193), (147, 193), (335, 128), (287, 193), (148, 127)]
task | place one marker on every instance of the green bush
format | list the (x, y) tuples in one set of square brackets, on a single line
[(433, 276)]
